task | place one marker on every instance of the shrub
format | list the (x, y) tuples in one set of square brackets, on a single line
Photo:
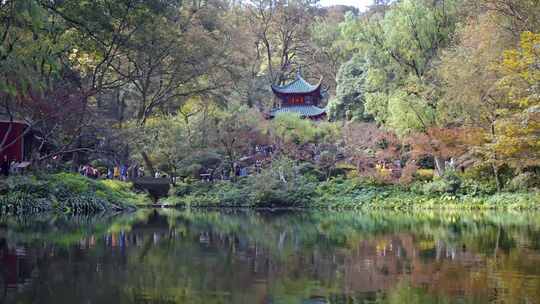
[(337, 186), (450, 182), (73, 183), (69, 192), (193, 171), (115, 185), (182, 189), (476, 187), (28, 185), (310, 171), (119, 192), (417, 187), (302, 193), (233, 195), (523, 182), (195, 163), (484, 173), (270, 191), (376, 180), (424, 175)]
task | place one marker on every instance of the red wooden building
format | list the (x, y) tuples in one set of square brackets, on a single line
[(299, 97), (20, 147)]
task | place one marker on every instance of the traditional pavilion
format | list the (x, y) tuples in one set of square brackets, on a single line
[(299, 97)]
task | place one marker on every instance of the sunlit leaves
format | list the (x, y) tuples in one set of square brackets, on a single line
[(400, 48), (519, 126)]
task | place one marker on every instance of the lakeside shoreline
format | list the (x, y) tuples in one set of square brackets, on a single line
[(71, 193)]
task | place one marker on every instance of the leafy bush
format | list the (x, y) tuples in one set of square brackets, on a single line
[(115, 185), (276, 187), (424, 175), (194, 164), (119, 192), (377, 180), (449, 183), (283, 186), (182, 189), (310, 171), (479, 173), (436, 187), (476, 188), (193, 171), (484, 173), (68, 192), (523, 182), (338, 186), (230, 194), (27, 184)]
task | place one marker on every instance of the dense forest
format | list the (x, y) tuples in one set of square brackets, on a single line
[(441, 96)]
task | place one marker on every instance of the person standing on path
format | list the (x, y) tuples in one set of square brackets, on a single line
[(141, 171), (5, 166), (116, 172), (124, 172)]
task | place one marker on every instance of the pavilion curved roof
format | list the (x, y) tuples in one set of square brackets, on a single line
[(302, 110), (298, 86)]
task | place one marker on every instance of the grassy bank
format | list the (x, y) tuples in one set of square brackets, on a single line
[(350, 194), (65, 192), (72, 193)]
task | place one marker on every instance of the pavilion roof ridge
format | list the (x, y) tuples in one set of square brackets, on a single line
[(297, 86)]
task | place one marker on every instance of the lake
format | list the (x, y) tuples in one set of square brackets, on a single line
[(175, 256)]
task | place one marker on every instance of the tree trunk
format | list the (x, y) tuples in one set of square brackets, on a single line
[(494, 164), (76, 158), (497, 179), (172, 177), (497, 242), (148, 164), (439, 165)]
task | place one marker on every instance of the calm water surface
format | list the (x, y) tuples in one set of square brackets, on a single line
[(172, 256)]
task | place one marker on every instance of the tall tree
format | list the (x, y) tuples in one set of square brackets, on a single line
[(282, 31), (401, 47)]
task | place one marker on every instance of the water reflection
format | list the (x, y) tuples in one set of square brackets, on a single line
[(171, 256)]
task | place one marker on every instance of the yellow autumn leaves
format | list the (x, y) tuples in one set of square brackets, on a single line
[(519, 127)]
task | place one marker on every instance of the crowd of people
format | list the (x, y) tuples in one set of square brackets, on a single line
[(118, 172), (125, 172), (8, 167), (246, 166)]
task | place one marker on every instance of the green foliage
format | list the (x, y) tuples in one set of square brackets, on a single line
[(424, 175), (193, 171), (477, 188), (450, 183), (311, 172), (69, 193), (182, 189), (119, 192), (399, 48), (289, 127), (524, 182), (182, 97), (268, 190), (67, 182), (349, 100), (279, 186)]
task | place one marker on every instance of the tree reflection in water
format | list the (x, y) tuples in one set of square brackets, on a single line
[(172, 256)]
